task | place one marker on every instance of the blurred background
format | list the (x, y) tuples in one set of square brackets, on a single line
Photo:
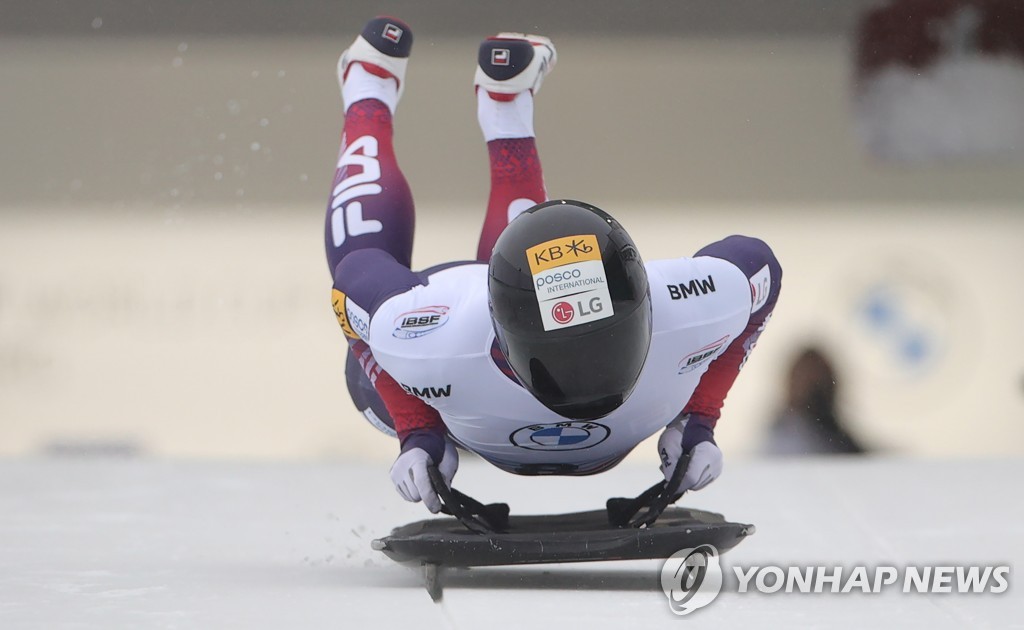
[(166, 166)]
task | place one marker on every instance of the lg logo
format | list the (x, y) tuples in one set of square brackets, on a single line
[(347, 213), (564, 312)]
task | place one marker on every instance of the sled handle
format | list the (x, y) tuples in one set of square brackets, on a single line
[(656, 499), (477, 517)]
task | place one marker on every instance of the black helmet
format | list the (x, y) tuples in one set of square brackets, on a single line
[(571, 307)]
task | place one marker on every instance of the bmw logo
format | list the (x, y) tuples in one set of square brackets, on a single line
[(560, 436)]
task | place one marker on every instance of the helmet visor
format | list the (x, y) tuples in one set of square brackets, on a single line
[(578, 373)]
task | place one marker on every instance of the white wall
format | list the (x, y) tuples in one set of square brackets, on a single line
[(211, 334), (126, 123), (155, 289)]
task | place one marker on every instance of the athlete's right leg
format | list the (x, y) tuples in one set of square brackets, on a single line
[(371, 205), (510, 70)]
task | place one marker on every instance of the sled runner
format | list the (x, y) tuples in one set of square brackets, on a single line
[(478, 535)]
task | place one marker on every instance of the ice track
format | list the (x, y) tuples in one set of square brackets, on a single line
[(184, 544)]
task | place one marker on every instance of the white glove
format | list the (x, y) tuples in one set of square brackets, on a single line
[(705, 457), (409, 474)]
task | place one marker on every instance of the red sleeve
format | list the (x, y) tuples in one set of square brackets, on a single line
[(708, 398), (757, 261), (408, 412)]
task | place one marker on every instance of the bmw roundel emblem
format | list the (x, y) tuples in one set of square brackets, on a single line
[(560, 436)]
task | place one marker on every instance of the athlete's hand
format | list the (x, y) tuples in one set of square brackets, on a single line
[(409, 472), (694, 435)]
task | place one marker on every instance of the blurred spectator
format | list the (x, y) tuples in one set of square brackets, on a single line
[(809, 423)]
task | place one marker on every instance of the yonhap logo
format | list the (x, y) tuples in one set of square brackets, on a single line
[(691, 578)]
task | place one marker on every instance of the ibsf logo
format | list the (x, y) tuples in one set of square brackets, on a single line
[(422, 321), (691, 578), (697, 358)]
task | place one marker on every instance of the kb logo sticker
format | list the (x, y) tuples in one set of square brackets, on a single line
[(691, 579)]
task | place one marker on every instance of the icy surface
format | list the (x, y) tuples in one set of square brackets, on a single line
[(175, 544)]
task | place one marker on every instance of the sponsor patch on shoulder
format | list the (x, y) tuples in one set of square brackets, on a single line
[(355, 322), (699, 357), (422, 321), (338, 300), (569, 281), (760, 287)]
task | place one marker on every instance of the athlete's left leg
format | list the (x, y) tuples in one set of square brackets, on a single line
[(510, 70)]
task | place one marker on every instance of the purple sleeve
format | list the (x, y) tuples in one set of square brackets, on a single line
[(363, 280), (757, 261), (369, 277), (432, 442)]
